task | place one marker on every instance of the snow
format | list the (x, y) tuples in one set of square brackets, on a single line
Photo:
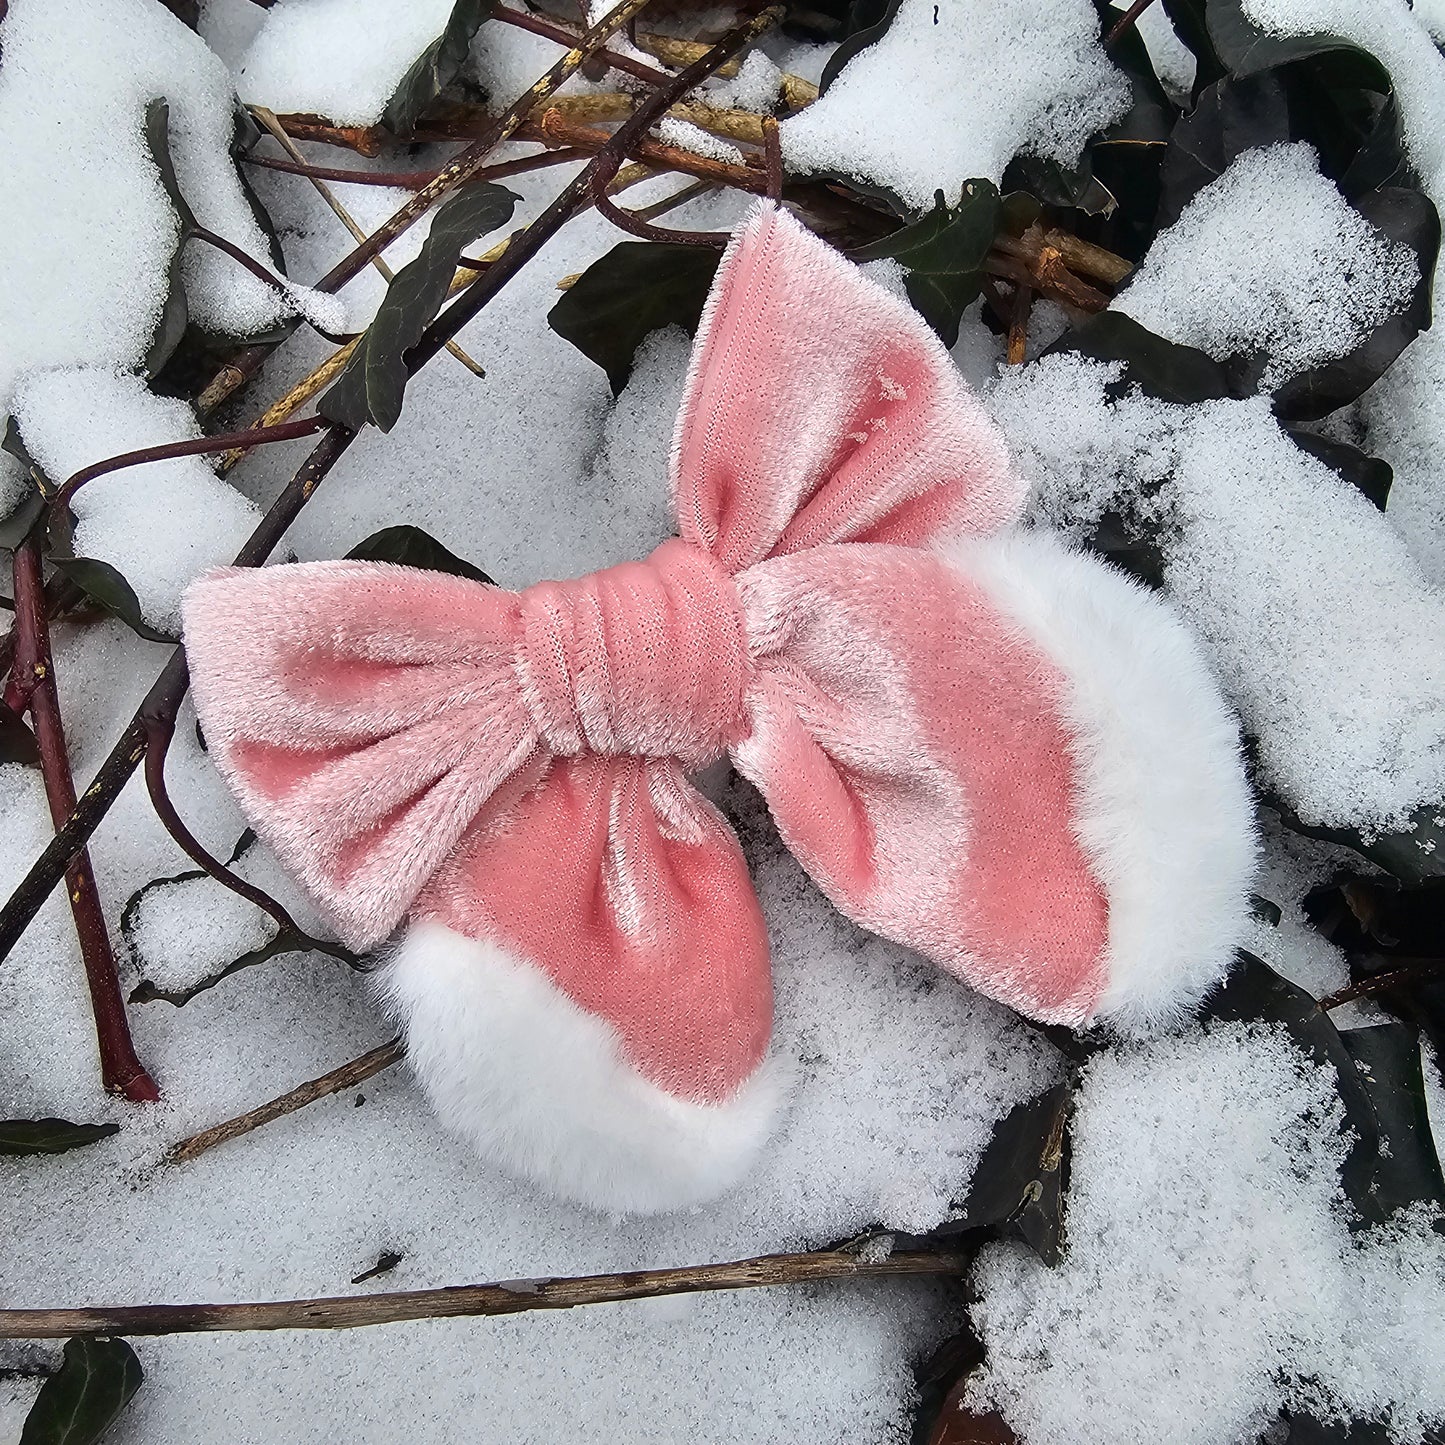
[(89, 291), (342, 59), (1319, 622), (1284, 1307), (938, 102), (1295, 272), (161, 523)]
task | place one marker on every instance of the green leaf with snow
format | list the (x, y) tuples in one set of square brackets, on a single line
[(944, 254), (50, 1136), (107, 588), (411, 547), (96, 1380), (373, 384), (436, 67), (175, 315), (622, 297)]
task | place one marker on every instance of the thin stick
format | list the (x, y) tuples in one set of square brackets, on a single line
[(507, 1298), (460, 169), (268, 119), (637, 225), (1414, 971), (347, 1076), (405, 180), (1126, 21), (1018, 326), (121, 1071), (539, 25)]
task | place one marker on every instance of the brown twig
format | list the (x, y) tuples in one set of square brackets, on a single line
[(735, 125), (507, 1298), (549, 30), (201, 446), (169, 689), (773, 158), (636, 225), (1413, 971), (1126, 21), (1018, 326), (347, 1076), (121, 1071), (556, 215), (556, 129), (365, 140), (408, 180), (457, 171)]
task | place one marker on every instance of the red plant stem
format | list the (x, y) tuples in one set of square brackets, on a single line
[(563, 36), (1412, 970), (461, 168), (283, 431), (121, 1071), (412, 180), (773, 157), (635, 225)]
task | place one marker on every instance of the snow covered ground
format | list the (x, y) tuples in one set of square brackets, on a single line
[(1211, 1277)]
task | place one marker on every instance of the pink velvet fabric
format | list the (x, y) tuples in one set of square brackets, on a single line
[(514, 764)]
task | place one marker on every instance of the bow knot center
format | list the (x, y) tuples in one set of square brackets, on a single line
[(647, 658)]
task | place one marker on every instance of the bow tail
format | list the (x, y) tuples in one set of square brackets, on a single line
[(1010, 758), (585, 989)]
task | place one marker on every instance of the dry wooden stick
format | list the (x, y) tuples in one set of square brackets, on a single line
[(737, 125), (267, 118), (345, 1077), (509, 1297)]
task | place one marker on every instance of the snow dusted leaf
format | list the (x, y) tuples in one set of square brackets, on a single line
[(1018, 1187), (1369, 474), (106, 586), (944, 254), (371, 387), (1387, 1057), (637, 287), (1159, 368), (174, 311), (411, 547), (1414, 854), (80, 1401), (1255, 993), (1402, 215), (50, 1136), (1246, 49), (436, 67)]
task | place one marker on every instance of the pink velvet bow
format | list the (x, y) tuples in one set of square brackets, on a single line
[(973, 751)]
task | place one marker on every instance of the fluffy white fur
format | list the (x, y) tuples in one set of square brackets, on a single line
[(541, 1087), (1166, 814)]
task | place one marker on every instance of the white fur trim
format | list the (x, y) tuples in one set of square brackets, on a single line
[(540, 1086), (1166, 816)]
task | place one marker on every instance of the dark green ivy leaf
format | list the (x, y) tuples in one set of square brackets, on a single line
[(1402, 215), (1160, 368), (944, 255), (635, 288), (868, 21), (1244, 49), (107, 587), (436, 67), (411, 547), (171, 325), (1305, 1430), (17, 742), (50, 1136), (371, 387), (80, 1401), (1387, 1059), (1018, 1187), (1414, 854)]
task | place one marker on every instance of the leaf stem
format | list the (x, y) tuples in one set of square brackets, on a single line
[(121, 1071)]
